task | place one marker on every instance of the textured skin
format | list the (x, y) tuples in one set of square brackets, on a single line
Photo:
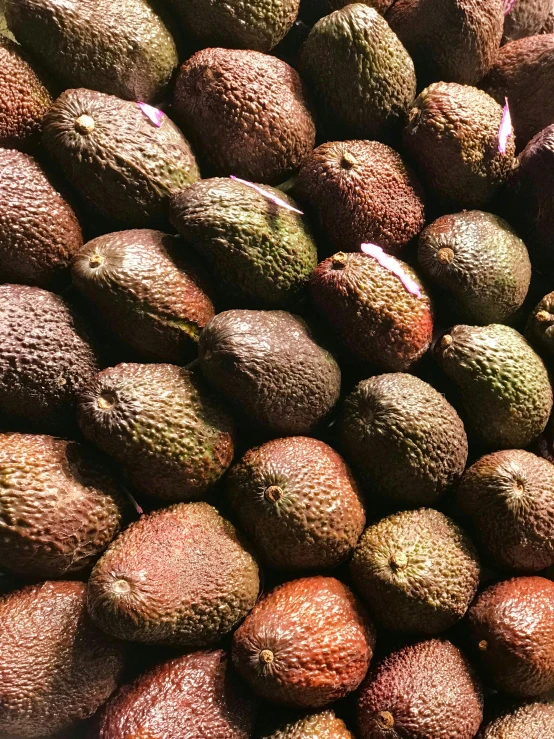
[(362, 78), (529, 721), (324, 725), (147, 294), (260, 254), (540, 326), (121, 48), (319, 637), (504, 385), (427, 689), (319, 517), (371, 312), (161, 422), (489, 271), (59, 506), (404, 438), (380, 5), (509, 496), (267, 364), (192, 697), (362, 192), (523, 71), (45, 359), (526, 18), (126, 167), (56, 667), (512, 622), (188, 579), (417, 571), (452, 136), (39, 233), (548, 24), (449, 40), (245, 112), (24, 100)]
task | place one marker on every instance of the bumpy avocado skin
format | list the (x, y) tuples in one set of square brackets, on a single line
[(123, 164), (39, 233), (194, 695), (162, 423), (504, 386), (260, 254), (539, 331), (56, 667), (177, 577), (324, 725), (121, 48), (479, 262), (548, 24), (527, 721), (245, 113), (526, 18)]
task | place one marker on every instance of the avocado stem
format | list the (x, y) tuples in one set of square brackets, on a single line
[(445, 256), (84, 124), (95, 261), (348, 160), (339, 260), (106, 401), (266, 656), (483, 645), (273, 493), (446, 341), (385, 719), (398, 561), (544, 316)]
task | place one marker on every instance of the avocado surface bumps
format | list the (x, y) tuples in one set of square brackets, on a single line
[(526, 18), (177, 577), (533, 720), (324, 725), (539, 330)]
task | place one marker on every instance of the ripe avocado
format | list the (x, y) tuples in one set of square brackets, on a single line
[(539, 331), (323, 725), (526, 18), (177, 577), (533, 720), (549, 23)]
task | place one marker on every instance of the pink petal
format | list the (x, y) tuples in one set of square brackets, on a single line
[(153, 114), (266, 194), (394, 266), (509, 6), (506, 130)]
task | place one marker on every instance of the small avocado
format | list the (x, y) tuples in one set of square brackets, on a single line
[(147, 292), (323, 725), (269, 367), (423, 691), (121, 48), (532, 720), (298, 503), (56, 667), (46, 358), (39, 233), (261, 254), (402, 436), (123, 163), (163, 424), (478, 262), (526, 18), (361, 77), (375, 306), (246, 114), (362, 192), (539, 330), (452, 137), (306, 643), (503, 385), (512, 626)]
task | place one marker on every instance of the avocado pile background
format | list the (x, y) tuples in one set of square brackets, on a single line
[(276, 342)]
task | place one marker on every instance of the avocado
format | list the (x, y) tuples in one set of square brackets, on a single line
[(512, 626), (298, 503), (539, 331), (306, 643), (526, 18), (39, 233), (532, 720), (245, 113), (46, 358), (362, 191), (380, 5), (509, 498), (376, 307), (195, 695), (169, 431), (449, 40), (60, 506), (323, 725), (120, 48), (404, 438), (479, 263), (268, 365), (417, 571), (56, 667), (549, 23), (361, 77), (260, 254), (177, 577), (123, 164), (147, 292), (452, 137), (504, 386), (422, 691)]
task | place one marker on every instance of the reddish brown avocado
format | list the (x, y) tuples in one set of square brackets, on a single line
[(56, 667), (526, 18), (246, 114), (512, 629), (534, 720), (195, 696), (306, 643)]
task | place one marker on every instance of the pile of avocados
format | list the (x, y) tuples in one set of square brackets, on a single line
[(276, 369)]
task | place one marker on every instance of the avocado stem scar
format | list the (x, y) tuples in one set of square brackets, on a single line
[(273, 493), (84, 124), (266, 656), (385, 719)]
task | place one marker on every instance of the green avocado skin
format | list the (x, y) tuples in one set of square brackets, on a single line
[(122, 48)]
